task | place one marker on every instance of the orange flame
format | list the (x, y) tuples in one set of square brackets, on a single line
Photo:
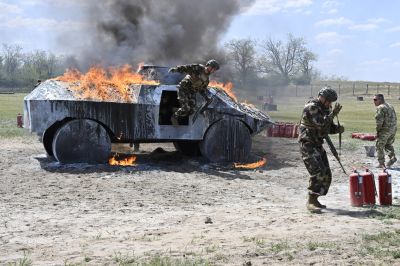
[(251, 165), (104, 84), (227, 87), (129, 161)]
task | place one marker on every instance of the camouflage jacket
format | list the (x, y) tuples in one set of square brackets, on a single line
[(386, 119), (316, 123), (196, 74)]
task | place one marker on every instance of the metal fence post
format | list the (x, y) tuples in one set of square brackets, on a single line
[(354, 87), (367, 89)]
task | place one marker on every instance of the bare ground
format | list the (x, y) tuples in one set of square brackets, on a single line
[(52, 214)]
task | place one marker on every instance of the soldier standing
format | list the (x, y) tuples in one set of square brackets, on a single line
[(386, 127), (317, 122), (196, 80)]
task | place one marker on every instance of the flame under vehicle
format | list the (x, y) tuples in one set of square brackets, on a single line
[(78, 129)]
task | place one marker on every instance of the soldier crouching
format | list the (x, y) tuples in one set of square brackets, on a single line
[(316, 123)]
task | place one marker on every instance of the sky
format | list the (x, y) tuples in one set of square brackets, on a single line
[(354, 39)]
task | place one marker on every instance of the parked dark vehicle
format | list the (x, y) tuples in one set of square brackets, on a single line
[(81, 130)]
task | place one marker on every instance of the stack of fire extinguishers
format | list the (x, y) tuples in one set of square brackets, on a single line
[(363, 189)]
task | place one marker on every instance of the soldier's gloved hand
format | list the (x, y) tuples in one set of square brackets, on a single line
[(336, 109), (340, 129), (173, 70)]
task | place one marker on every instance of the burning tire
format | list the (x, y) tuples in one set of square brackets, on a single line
[(81, 141), (227, 140), (188, 148)]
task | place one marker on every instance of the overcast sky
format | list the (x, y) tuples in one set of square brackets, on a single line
[(357, 39)]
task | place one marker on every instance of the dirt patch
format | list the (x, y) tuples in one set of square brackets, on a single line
[(179, 207)]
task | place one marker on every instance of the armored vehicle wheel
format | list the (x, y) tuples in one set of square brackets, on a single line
[(227, 140), (47, 140), (81, 141), (48, 136), (188, 148)]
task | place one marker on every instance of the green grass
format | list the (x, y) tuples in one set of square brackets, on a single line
[(160, 260), (355, 116), (24, 261), (385, 213), (10, 106), (384, 245), (325, 245), (279, 246)]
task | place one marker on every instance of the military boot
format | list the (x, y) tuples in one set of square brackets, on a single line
[(391, 162), (312, 204), (381, 165), (319, 205)]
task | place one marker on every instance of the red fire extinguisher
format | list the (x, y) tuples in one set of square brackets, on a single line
[(275, 130), (368, 188), (356, 189), (385, 188), (295, 133), (19, 120)]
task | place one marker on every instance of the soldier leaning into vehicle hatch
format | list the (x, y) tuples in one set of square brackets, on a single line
[(196, 80)]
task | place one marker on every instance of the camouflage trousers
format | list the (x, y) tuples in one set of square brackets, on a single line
[(186, 98), (317, 164), (384, 143)]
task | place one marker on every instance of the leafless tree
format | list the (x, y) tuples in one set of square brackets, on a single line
[(286, 60), (11, 59), (304, 60), (305, 68), (242, 55)]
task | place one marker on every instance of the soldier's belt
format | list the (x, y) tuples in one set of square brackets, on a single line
[(308, 126)]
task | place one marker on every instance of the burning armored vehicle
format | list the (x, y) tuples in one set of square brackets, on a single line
[(78, 122)]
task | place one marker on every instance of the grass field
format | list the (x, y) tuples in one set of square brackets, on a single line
[(10, 106), (357, 116)]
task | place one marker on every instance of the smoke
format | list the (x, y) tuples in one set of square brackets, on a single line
[(163, 32)]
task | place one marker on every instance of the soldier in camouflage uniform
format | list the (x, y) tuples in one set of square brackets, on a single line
[(196, 80), (386, 127), (317, 122)]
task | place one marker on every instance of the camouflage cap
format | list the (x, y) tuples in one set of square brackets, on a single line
[(213, 63), (329, 94)]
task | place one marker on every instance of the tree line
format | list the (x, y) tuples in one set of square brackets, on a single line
[(247, 62), (19, 69)]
